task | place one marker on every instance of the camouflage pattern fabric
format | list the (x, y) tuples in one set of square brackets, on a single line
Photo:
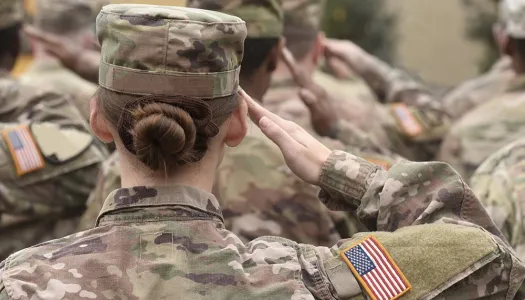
[(499, 184), (264, 18), (485, 130), (477, 91), (41, 205), (65, 17), (211, 50), (155, 242), (108, 180), (53, 75), (308, 13), (11, 13)]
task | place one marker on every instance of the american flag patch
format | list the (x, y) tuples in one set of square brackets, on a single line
[(24, 151), (375, 270), (405, 118)]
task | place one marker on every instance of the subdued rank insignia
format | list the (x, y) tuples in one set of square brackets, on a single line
[(406, 119), (59, 145), (24, 151), (375, 270)]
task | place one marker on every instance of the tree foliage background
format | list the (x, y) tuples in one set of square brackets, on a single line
[(368, 23), (481, 15)]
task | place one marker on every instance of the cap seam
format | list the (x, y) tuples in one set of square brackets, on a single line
[(169, 73), (174, 20), (166, 48)]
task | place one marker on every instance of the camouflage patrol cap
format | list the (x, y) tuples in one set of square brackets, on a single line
[(264, 18), (11, 13), (167, 50), (307, 13), (512, 15), (63, 16)]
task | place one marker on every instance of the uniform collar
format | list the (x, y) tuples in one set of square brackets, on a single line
[(144, 197)]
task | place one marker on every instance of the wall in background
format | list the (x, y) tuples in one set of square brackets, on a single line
[(433, 41)]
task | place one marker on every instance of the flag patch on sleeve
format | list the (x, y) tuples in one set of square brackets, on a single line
[(375, 270), (24, 151), (406, 120)]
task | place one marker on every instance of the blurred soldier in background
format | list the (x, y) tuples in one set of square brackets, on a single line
[(354, 102), (477, 91), (499, 121), (500, 181), (72, 20), (48, 158)]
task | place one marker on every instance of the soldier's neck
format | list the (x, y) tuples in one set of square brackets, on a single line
[(199, 175)]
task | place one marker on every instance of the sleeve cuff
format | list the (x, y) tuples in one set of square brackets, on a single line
[(344, 180)]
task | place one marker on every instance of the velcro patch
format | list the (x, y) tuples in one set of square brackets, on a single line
[(375, 270), (24, 151), (408, 122), (59, 145)]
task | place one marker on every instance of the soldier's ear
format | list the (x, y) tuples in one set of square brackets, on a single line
[(237, 126), (275, 54), (318, 50), (98, 123)]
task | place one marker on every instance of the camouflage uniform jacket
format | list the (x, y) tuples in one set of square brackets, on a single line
[(499, 184), (158, 242), (477, 91), (50, 73), (41, 204), (485, 130)]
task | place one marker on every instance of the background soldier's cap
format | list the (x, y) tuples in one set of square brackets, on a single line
[(264, 18), (62, 16), (512, 15), (166, 50), (307, 13), (11, 13)]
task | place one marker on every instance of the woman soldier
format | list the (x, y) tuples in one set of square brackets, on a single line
[(169, 99)]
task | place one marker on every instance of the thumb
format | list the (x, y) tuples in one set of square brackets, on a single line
[(279, 136), (308, 97)]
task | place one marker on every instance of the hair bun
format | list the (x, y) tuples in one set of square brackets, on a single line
[(163, 135)]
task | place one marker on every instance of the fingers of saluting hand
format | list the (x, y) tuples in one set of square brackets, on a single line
[(257, 112), (34, 33)]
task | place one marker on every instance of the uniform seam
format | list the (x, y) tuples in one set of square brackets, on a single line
[(320, 285), (166, 48), (176, 20)]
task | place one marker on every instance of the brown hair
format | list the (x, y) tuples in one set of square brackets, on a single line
[(165, 131)]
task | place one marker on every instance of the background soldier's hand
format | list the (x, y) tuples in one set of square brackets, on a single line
[(348, 53), (81, 61), (303, 154), (322, 109), (67, 53)]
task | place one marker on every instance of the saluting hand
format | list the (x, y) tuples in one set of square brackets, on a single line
[(322, 109), (303, 154), (81, 61)]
